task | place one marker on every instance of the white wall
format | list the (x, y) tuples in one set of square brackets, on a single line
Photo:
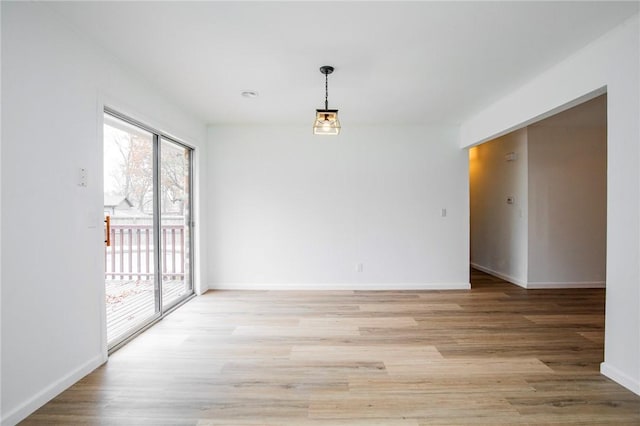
[(612, 62), (55, 83), (291, 210), (498, 229), (568, 198), (0, 228)]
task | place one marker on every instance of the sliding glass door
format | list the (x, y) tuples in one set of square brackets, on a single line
[(147, 207), (175, 220)]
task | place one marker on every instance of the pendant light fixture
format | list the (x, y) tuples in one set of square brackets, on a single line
[(327, 122)]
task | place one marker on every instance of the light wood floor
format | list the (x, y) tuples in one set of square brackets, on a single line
[(496, 354)]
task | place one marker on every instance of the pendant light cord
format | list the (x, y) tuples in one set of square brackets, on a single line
[(326, 91)]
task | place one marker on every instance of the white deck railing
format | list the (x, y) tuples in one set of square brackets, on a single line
[(130, 256)]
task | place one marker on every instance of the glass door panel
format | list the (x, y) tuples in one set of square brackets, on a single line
[(132, 298), (175, 220)]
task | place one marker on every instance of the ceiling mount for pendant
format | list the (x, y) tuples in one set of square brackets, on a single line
[(326, 69), (327, 122)]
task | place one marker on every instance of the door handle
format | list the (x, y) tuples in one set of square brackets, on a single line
[(107, 221)]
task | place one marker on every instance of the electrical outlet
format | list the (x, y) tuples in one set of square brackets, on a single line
[(359, 267)]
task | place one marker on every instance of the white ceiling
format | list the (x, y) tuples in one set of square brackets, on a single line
[(396, 62)]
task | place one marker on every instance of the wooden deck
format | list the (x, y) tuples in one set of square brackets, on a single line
[(130, 303), (495, 355)]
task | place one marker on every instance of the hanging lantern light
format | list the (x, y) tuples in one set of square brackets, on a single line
[(327, 122)]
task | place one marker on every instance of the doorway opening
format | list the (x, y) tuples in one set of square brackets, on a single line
[(148, 239), (538, 201)]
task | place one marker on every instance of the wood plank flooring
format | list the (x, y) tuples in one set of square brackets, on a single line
[(497, 354)]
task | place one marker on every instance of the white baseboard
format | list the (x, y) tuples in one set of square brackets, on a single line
[(339, 286), (19, 413), (621, 378), (509, 278), (540, 285), (582, 284)]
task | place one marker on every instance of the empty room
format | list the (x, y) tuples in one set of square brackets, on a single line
[(320, 213)]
